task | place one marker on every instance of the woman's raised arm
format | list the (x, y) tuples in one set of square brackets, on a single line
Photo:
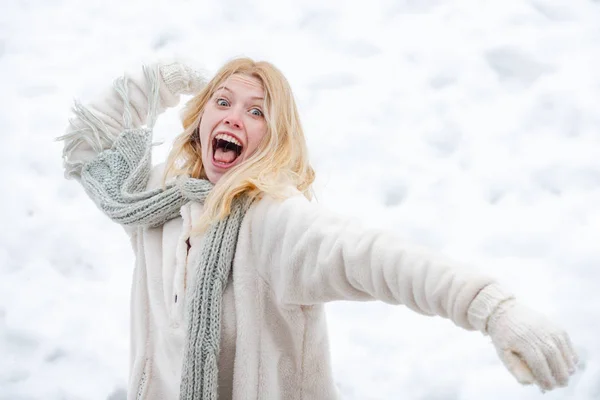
[(95, 126)]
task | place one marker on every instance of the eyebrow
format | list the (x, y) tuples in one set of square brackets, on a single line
[(230, 91)]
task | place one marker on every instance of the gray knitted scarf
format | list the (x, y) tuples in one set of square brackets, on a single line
[(116, 180)]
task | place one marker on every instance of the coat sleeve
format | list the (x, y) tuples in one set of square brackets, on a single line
[(309, 255), (95, 126)]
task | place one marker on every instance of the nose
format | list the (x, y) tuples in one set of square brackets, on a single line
[(233, 120)]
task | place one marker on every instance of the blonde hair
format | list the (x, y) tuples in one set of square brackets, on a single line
[(280, 160)]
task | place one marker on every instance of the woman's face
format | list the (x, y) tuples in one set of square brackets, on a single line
[(232, 125)]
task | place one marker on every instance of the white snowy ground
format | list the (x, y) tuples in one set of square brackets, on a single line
[(471, 127)]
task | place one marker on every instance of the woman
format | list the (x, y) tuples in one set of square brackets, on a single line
[(234, 263)]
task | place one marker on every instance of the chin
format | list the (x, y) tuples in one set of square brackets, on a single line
[(213, 177)]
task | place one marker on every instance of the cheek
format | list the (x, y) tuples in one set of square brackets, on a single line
[(204, 132), (207, 123), (256, 134)]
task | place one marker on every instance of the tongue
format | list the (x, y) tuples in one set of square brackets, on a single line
[(225, 156)]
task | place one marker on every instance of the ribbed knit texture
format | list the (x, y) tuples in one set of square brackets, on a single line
[(116, 180)]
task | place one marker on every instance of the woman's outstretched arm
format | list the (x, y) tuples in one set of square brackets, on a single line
[(312, 255), (309, 255)]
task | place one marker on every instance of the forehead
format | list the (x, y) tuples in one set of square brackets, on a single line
[(244, 85)]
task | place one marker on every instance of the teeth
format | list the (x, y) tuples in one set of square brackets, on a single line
[(230, 139)]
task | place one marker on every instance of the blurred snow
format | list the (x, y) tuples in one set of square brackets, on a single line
[(467, 126)]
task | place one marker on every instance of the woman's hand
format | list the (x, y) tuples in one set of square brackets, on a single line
[(532, 348), (181, 78)]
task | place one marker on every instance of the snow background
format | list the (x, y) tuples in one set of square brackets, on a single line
[(467, 126)]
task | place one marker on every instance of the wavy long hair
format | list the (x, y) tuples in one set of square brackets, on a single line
[(280, 161)]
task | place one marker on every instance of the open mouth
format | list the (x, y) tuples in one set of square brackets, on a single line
[(226, 149)]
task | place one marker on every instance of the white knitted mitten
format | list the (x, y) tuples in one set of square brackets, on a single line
[(181, 78), (532, 348)]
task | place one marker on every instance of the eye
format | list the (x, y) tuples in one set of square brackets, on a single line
[(222, 102), (256, 112)]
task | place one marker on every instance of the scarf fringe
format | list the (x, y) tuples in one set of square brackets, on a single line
[(152, 78), (120, 86), (87, 128)]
